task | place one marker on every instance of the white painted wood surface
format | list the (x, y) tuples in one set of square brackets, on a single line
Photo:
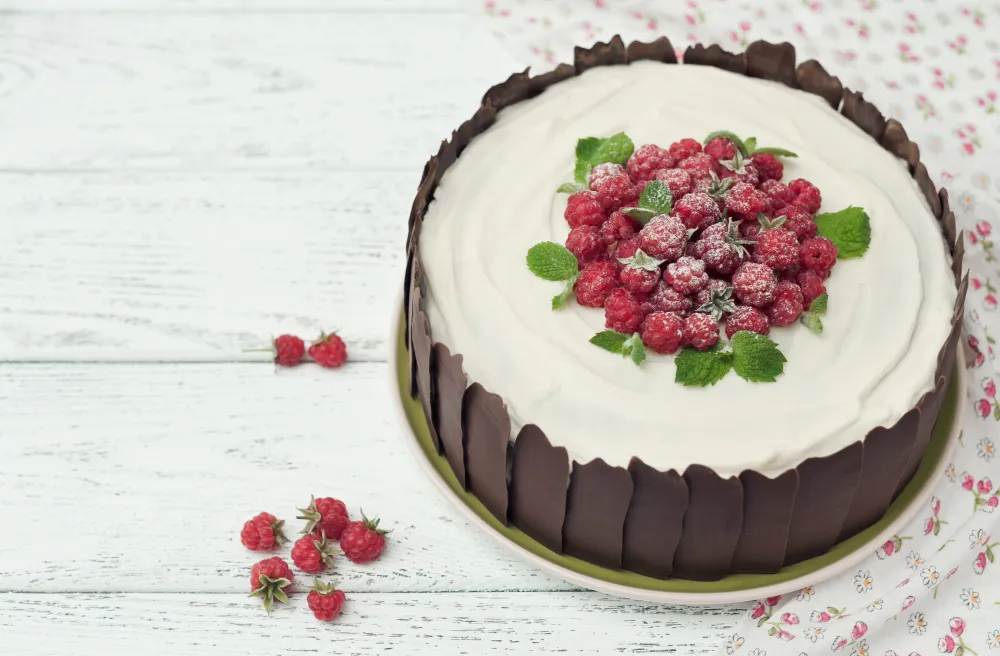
[(180, 179)]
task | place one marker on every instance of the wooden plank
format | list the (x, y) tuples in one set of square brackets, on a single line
[(445, 624), (242, 6)]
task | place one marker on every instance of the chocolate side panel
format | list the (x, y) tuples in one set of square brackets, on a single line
[(930, 406), (420, 334), (712, 525), (772, 61), (863, 114), (600, 54), (812, 77), (487, 434), (654, 520), (826, 487), (950, 229), (539, 478), (543, 81), (958, 260), (596, 505), (480, 121), (660, 50), (407, 284), (512, 90), (767, 512), (450, 382), (896, 141), (715, 56), (416, 277), (923, 179)]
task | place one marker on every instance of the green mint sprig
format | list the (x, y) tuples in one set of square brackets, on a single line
[(591, 151), (811, 317), (702, 368), (551, 261), (654, 200), (570, 187), (753, 357), (849, 229), (628, 346), (748, 147)]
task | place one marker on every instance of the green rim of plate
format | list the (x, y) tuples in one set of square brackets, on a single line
[(930, 464)]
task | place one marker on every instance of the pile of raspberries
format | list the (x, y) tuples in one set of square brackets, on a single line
[(739, 245)]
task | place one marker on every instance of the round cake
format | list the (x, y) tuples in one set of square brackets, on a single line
[(762, 388)]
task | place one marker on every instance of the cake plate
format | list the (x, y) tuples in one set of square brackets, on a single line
[(731, 589)]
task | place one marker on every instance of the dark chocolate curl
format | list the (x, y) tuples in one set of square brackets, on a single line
[(600, 54), (863, 114), (812, 77), (539, 477), (487, 434), (512, 90), (923, 179), (597, 502), (772, 61), (541, 82), (446, 156), (420, 334), (767, 512), (415, 279), (896, 141), (480, 121), (949, 228), (716, 57), (945, 206), (930, 406), (654, 520), (449, 391), (826, 487), (407, 286), (660, 50), (958, 259), (712, 525)]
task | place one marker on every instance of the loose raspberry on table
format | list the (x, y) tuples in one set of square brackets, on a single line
[(721, 148), (754, 283), (701, 331), (686, 275), (646, 161), (768, 166), (745, 201), (613, 188), (684, 148), (619, 226), (664, 238), (678, 181), (665, 298), (806, 195), (584, 208), (363, 541), (778, 194), (812, 286), (777, 248), (288, 350), (747, 318), (696, 211), (595, 283), (329, 351), (586, 244), (818, 254), (622, 312), (700, 165), (663, 332), (787, 304), (325, 601), (312, 553), (263, 532), (798, 220), (639, 281), (268, 580), (325, 515)]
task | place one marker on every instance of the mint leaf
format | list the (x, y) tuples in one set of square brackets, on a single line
[(585, 149), (559, 300), (742, 147), (702, 368), (591, 151), (751, 144), (638, 353), (609, 340), (849, 230), (570, 188), (656, 197), (819, 304), (777, 152), (766, 222), (641, 215), (642, 261), (812, 321), (550, 261), (756, 358)]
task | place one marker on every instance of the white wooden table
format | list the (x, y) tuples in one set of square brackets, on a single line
[(180, 179)]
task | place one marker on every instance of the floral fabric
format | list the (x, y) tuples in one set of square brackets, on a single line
[(935, 66)]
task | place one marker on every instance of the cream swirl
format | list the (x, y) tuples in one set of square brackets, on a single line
[(889, 312)]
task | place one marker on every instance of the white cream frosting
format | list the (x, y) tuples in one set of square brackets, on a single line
[(889, 312)]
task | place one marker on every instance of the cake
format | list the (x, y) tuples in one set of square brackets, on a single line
[(771, 404)]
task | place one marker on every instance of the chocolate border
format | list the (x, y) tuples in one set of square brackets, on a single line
[(712, 525), (772, 61), (654, 520), (596, 504), (767, 513), (538, 486), (487, 435), (813, 78), (450, 383)]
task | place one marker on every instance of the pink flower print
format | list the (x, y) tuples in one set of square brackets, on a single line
[(976, 283), (957, 626), (757, 610), (988, 102), (935, 506), (600, 4), (929, 526), (820, 616), (951, 573), (979, 564), (690, 19), (946, 645), (985, 485), (859, 630), (783, 635), (989, 387), (906, 55), (838, 644), (651, 24), (958, 45), (984, 408), (984, 228), (909, 601), (815, 6), (771, 601), (974, 238), (973, 341), (790, 618), (886, 549), (968, 481), (980, 359), (991, 504), (990, 302)]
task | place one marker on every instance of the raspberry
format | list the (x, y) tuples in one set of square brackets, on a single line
[(812, 286), (664, 238), (268, 580), (613, 188), (754, 284), (678, 181), (750, 230), (696, 210), (745, 201), (619, 226), (646, 161), (749, 175), (665, 298), (721, 148), (684, 148), (777, 248), (329, 351), (721, 257), (768, 166), (595, 284), (686, 275), (639, 281), (585, 243), (262, 533), (325, 601), (700, 165), (584, 208), (663, 332), (806, 195), (798, 220), (288, 350), (747, 318), (705, 295), (622, 312), (363, 541), (818, 254), (787, 304), (326, 516), (701, 331), (778, 194), (312, 554)]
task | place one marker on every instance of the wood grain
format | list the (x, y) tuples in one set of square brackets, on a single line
[(215, 6)]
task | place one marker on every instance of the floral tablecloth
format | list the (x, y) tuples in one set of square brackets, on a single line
[(934, 65)]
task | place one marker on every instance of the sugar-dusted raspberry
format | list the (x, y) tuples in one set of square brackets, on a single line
[(664, 237), (701, 331), (818, 254), (606, 170), (638, 281), (745, 201), (812, 286), (619, 226), (665, 299), (646, 161), (721, 148), (721, 258), (798, 220), (696, 210), (778, 194), (700, 165), (754, 283), (613, 188), (622, 312), (584, 208), (747, 318), (787, 305), (625, 249), (684, 148), (768, 166), (705, 295), (750, 230), (806, 195), (585, 242), (748, 174), (686, 275), (777, 248), (663, 332), (595, 283), (677, 180)]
